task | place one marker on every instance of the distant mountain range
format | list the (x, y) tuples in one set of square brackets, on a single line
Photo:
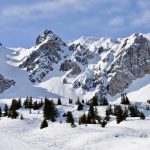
[(80, 68)]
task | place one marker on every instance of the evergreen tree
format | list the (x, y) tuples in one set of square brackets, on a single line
[(83, 119), (147, 107), (107, 118), (13, 114), (69, 118), (94, 101), (44, 124), (80, 107), (142, 116), (125, 99), (70, 101), (49, 110), (92, 114), (59, 101), (109, 110), (5, 110), (35, 105), (83, 101), (119, 114), (15, 105), (134, 112), (103, 101), (125, 113), (78, 101)]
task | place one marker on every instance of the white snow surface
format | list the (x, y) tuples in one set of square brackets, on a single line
[(132, 134)]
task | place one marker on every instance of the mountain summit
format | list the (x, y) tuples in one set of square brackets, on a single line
[(86, 66)]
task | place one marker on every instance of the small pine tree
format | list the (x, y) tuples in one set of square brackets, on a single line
[(103, 101), (134, 112), (70, 101), (69, 118), (94, 101), (83, 101), (107, 118), (5, 110), (109, 110), (80, 107), (13, 114), (142, 116), (119, 114), (83, 119), (92, 115), (125, 113), (125, 99), (49, 110), (44, 124), (78, 101), (59, 101)]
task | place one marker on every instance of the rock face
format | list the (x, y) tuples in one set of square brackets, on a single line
[(132, 63), (105, 65), (41, 61), (5, 83)]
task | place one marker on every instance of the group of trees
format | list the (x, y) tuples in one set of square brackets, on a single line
[(11, 111), (96, 101), (50, 112), (92, 117), (122, 113), (29, 103), (125, 99)]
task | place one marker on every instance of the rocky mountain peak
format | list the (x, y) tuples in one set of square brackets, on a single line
[(48, 35)]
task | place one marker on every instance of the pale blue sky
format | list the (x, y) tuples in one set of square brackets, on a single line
[(22, 20)]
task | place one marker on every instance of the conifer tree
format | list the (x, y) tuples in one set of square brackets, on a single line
[(78, 101), (80, 107), (103, 101), (49, 110), (92, 114), (44, 124), (119, 114), (83, 101), (35, 105), (142, 116), (94, 101), (83, 119), (59, 101), (5, 110), (13, 114), (109, 110), (69, 118), (134, 112), (107, 117), (70, 101)]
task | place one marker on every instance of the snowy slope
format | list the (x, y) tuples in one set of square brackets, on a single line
[(133, 134), (23, 86)]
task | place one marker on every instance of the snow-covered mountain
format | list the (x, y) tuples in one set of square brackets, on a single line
[(81, 68)]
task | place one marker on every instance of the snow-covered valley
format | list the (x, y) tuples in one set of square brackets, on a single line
[(132, 134)]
